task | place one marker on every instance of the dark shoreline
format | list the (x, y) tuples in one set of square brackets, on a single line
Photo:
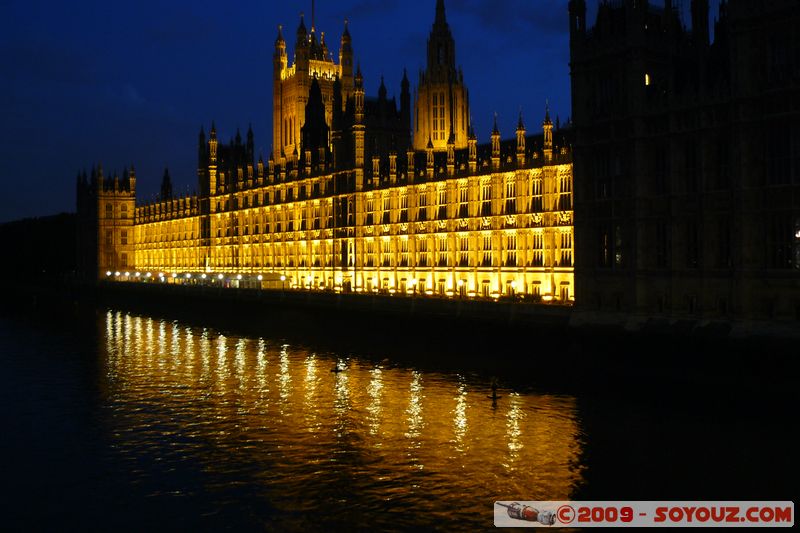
[(523, 343), (645, 400)]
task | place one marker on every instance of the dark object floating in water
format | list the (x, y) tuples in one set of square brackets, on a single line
[(495, 397)]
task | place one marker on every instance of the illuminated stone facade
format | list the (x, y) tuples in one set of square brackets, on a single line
[(106, 206), (291, 83), (442, 102), (356, 208), (465, 228)]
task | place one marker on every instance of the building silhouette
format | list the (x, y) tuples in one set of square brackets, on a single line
[(350, 200), (687, 159)]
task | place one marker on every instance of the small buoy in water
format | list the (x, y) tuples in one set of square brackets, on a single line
[(494, 396), (336, 369)]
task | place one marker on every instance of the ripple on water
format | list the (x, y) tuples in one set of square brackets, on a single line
[(247, 419)]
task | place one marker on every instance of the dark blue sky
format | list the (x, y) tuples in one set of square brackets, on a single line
[(132, 81)]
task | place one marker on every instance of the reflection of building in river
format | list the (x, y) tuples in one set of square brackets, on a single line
[(260, 400)]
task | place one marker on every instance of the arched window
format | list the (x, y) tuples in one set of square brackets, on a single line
[(109, 211), (124, 213)]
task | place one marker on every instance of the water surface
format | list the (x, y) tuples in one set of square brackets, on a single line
[(114, 420)]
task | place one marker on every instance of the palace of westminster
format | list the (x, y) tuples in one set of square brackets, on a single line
[(685, 154)]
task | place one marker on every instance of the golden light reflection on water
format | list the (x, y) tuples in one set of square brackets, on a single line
[(460, 415), (387, 434)]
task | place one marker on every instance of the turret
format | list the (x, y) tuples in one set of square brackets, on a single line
[(376, 169), (212, 145), (451, 154), (393, 170), (547, 126), (441, 46), (495, 145), (359, 97), (473, 150), (411, 170), (271, 166), (323, 46), (302, 49), (302, 32), (405, 100), (250, 146), (131, 180), (382, 91), (520, 142), (429, 159), (166, 186), (346, 61), (212, 161), (279, 59)]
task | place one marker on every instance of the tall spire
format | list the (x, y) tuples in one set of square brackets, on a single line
[(441, 46), (382, 90), (302, 33), (313, 15), (547, 112), (440, 14)]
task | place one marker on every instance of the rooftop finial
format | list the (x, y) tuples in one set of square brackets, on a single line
[(440, 14)]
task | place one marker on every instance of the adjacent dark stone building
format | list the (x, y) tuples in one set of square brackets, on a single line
[(687, 159)]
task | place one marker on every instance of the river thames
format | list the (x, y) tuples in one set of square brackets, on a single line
[(115, 420)]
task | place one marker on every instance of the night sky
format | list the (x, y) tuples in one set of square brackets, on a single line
[(124, 82)]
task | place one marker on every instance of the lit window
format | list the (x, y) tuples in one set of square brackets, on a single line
[(647, 80)]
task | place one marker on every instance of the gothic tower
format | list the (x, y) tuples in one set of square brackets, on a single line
[(116, 203), (291, 83), (442, 100)]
